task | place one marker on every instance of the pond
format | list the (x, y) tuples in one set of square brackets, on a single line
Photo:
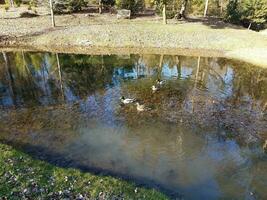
[(201, 137)]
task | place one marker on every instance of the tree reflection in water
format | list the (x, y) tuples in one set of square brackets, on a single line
[(69, 105)]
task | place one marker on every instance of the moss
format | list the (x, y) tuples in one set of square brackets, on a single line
[(24, 177)]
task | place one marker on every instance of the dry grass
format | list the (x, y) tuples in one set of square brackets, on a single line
[(105, 31)]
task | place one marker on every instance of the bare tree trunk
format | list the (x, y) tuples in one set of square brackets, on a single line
[(164, 14), (249, 25), (52, 13), (100, 6), (206, 8), (221, 7), (11, 2), (181, 14)]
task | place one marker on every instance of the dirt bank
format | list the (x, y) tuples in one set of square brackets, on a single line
[(93, 33)]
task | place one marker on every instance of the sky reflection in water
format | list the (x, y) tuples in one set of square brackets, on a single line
[(68, 105)]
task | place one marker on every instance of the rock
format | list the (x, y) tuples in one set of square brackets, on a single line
[(123, 14), (85, 43)]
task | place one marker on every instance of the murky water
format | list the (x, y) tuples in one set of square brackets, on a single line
[(201, 138)]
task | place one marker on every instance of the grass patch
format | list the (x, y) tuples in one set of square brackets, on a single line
[(24, 177)]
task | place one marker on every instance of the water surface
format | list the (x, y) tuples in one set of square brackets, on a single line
[(200, 140)]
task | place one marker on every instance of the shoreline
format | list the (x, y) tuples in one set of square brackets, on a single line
[(104, 34), (94, 50), (257, 58), (50, 181)]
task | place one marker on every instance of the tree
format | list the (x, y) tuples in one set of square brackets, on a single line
[(233, 13), (164, 14), (100, 6), (52, 13), (134, 5), (161, 6), (182, 13), (254, 11), (61, 6), (172, 8), (11, 2), (206, 8), (248, 12)]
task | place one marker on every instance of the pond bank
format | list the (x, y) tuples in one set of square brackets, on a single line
[(25, 177), (104, 34)]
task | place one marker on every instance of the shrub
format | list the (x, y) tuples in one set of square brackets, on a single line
[(172, 7), (134, 5), (68, 5), (108, 2), (254, 12), (6, 7), (18, 2), (149, 3), (251, 13), (233, 12), (33, 3)]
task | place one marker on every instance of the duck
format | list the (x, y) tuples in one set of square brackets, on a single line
[(154, 88), (141, 107), (160, 82), (127, 100)]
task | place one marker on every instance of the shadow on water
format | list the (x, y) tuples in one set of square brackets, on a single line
[(200, 139)]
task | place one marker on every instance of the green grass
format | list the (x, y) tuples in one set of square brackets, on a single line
[(24, 177)]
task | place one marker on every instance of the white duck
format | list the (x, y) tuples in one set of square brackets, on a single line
[(127, 100)]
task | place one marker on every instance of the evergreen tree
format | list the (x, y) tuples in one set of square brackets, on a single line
[(233, 12), (134, 5), (254, 11), (68, 5)]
